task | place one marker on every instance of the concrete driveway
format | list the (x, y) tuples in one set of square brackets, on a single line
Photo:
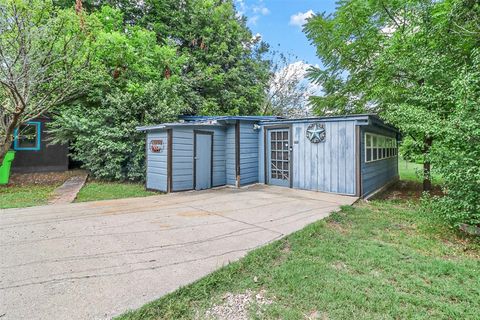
[(96, 260)]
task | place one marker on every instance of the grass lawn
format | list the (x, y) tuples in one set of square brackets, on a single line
[(96, 190), (410, 171), (25, 196), (377, 260)]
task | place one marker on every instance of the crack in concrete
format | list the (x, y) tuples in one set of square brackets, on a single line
[(134, 251), (134, 270)]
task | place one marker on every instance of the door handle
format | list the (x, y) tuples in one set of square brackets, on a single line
[(196, 158)]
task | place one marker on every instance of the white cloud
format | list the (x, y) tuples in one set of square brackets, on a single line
[(261, 10), (290, 90), (257, 37), (300, 18), (241, 7), (253, 20), (252, 12)]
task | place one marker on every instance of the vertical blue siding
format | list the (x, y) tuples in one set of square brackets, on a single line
[(378, 173), (219, 157), (157, 162), (248, 153), (230, 154), (261, 155), (326, 166), (182, 158)]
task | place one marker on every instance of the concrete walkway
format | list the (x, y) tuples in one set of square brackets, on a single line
[(68, 191), (98, 259)]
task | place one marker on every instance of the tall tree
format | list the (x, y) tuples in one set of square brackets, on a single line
[(43, 53), (288, 91), (397, 58), (226, 72), (137, 82)]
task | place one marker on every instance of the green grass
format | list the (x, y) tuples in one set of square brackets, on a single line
[(24, 196), (410, 171), (96, 190), (381, 260), (36, 195)]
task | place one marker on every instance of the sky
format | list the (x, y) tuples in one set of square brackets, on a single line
[(279, 22)]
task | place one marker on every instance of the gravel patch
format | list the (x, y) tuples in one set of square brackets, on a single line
[(236, 306)]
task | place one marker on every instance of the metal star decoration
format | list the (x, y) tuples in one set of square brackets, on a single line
[(316, 132)]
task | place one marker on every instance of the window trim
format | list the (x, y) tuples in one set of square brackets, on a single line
[(379, 150), (16, 142)]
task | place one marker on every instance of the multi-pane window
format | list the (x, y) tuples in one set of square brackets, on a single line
[(378, 147), (27, 136)]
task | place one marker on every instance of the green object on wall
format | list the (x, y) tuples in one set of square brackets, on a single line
[(5, 168)]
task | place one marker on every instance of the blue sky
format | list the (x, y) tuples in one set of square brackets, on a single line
[(279, 23)]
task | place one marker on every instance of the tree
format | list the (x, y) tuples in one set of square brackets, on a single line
[(397, 58), (226, 72), (158, 59), (43, 53), (288, 91), (457, 158), (137, 82)]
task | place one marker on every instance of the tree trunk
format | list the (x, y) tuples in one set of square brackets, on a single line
[(427, 181), (4, 147), (7, 140)]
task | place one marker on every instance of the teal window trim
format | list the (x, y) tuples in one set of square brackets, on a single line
[(16, 142)]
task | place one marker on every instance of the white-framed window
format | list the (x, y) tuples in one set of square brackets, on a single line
[(379, 147)]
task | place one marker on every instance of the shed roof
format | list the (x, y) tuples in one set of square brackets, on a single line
[(227, 118), (210, 123), (361, 119)]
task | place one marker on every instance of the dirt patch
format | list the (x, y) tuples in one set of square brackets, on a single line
[(314, 314), (406, 190), (286, 247), (42, 178), (236, 306), (340, 227), (339, 266)]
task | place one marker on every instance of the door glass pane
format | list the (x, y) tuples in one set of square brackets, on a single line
[(279, 155)]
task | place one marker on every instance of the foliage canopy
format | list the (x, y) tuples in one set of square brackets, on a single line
[(409, 61), (155, 60)]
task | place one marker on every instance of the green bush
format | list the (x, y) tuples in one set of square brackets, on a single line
[(153, 65), (457, 158), (104, 138)]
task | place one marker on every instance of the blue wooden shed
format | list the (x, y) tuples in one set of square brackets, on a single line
[(351, 155)]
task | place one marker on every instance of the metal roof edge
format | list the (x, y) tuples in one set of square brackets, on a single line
[(351, 117), (361, 119), (148, 128), (226, 118), (179, 124)]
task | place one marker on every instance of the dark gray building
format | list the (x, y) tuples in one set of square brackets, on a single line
[(34, 151), (351, 155)]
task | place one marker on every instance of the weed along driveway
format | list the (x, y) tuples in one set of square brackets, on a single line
[(98, 259)]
